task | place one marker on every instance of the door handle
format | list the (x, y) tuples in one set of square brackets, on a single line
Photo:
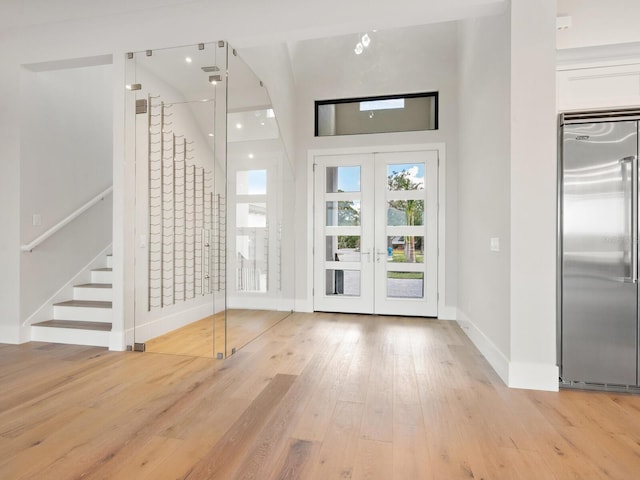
[(634, 218), (378, 254), (633, 161), (368, 254)]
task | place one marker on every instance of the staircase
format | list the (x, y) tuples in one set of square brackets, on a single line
[(85, 320)]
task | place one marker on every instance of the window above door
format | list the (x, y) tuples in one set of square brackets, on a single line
[(382, 114)]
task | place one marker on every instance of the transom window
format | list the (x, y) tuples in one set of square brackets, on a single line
[(383, 114)]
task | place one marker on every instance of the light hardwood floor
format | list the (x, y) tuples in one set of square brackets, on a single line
[(318, 396), (198, 338)]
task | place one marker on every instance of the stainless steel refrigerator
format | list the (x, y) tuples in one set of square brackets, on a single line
[(598, 254)]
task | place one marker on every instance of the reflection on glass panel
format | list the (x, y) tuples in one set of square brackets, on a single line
[(343, 213), (405, 213), (405, 176), (405, 249), (251, 182), (343, 248), (260, 233), (343, 282), (251, 215), (252, 271), (252, 125), (178, 193), (405, 284), (343, 179)]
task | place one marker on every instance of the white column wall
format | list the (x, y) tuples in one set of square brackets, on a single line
[(9, 191), (484, 289), (533, 196)]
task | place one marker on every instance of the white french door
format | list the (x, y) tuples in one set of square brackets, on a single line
[(375, 239)]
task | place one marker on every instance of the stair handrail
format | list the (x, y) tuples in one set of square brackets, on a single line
[(62, 223)]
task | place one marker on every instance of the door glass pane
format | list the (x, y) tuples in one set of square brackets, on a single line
[(405, 176), (251, 182), (405, 213), (343, 213), (342, 248), (343, 179), (252, 261), (251, 215), (343, 282), (405, 249), (405, 284)]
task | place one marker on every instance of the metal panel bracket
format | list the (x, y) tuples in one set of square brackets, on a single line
[(141, 106)]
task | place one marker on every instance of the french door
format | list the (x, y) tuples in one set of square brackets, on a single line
[(375, 239)]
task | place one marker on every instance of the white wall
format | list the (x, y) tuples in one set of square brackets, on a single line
[(417, 59), (597, 22), (484, 286), (507, 298), (10, 191), (599, 56), (66, 160), (533, 195)]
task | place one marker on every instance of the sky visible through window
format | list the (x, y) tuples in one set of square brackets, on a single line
[(415, 170), (252, 182)]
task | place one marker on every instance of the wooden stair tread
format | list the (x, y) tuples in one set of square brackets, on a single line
[(104, 269), (84, 303), (75, 324), (94, 285)]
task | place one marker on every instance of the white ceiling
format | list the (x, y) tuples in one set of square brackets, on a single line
[(249, 22)]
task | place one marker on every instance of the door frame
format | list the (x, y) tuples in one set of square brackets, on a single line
[(443, 311)]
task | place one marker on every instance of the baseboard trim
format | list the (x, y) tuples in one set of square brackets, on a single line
[(498, 361), (11, 335), (180, 318), (533, 376), (529, 376)]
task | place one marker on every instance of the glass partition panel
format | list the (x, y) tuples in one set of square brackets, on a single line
[(179, 210), (259, 220)]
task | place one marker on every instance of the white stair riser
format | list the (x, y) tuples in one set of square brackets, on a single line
[(87, 314), (109, 261), (101, 277), (71, 336), (97, 294)]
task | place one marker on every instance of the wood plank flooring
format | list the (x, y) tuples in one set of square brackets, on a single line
[(199, 338), (318, 396)]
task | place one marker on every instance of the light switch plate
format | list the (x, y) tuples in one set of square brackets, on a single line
[(494, 245), (36, 220)]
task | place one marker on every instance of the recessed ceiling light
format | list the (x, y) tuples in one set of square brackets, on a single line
[(251, 155), (188, 59), (366, 40), (238, 126), (211, 134), (359, 48)]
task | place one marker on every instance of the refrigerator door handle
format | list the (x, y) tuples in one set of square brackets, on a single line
[(634, 218), (633, 245)]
